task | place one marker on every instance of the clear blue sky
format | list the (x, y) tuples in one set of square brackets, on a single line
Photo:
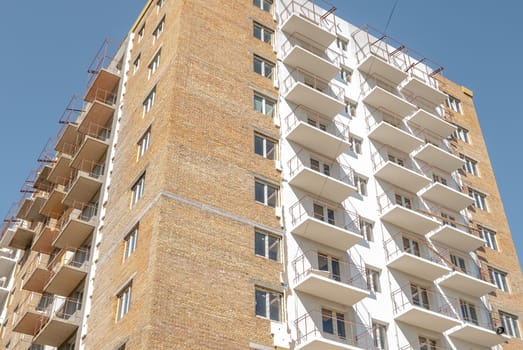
[(48, 45)]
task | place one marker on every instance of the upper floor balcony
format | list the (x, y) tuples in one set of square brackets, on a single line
[(314, 131), (31, 311), (467, 277), (398, 169), (98, 112), (424, 120), (421, 86), (300, 51), (331, 330), (414, 256), (37, 273), (104, 71), (8, 259), (424, 343), (389, 129), (62, 163), (76, 225), (42, 242), (422, 307), (326, 223), (86, 182), (437, 154), (68, 268), (441, 193), (62, 317), (381, 94), (29, 209), (478, 325), (329, 278), (320, 176), (309, 19), (4, 289), (456, 232), (23, 234), (20, 341), (406, 211), (304, 88), (94, 145)]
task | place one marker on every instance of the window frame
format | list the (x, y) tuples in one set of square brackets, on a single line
[(373, 279), (462, 134), (131, 242), (366, 225), (470, 166), (136, 63), (268, 296), (512, 328), (154, 64), (143, 144), (264, 101), (159, 29), (490, 237), (266, 196), (148, 103), (499, 278), (267, 245), (262, 4), (346, 76), (123, 301), (454, 104), (356, 144), (159, 5), (379, 335), (264, 65), (137, 190), (480, 199), (265, 152), (141, 33), (263, 31)]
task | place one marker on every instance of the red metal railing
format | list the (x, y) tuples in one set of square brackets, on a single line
[(310, 10)]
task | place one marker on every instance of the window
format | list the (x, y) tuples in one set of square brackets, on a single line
[(410, 246), (462, 134), (379, 334), (470, 165), (350, 108), (468, 312), (499, 278), (137, 190), (131, 241), (268, 304), (373, 279), (458, 262), (264, 104), (361, 185), (323, 213), (453, 103), (397, 160), (448, 219), (263, 67), (159, 29), (320, 166), (263, 33), (420, 296), (366, 229), (265, 5), (342, 44), (149, 101), (331, 265), (124, 302), (141, 33), (159, 4), (440, 179), (143, 144), (346, 75), (427, 343), (403, 201), (489, 236), (136, 63), (267, 245), (264, 146), (355, 144), (510, 323), (265, 193), (155, 63), (333, 323), (480, 199)]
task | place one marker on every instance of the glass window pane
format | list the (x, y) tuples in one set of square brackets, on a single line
[(258, 145), (261, 303), (257, 65), (271, 196), (327, 324), (323, 262), (256, 31), (259, 244), (274, 307), (269, 107), (269, 145), (259, 192), (274, 248), (258, 103)]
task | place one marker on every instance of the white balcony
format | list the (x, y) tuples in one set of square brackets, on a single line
[(439, 158), (325, 178), (69, 268), (321, 61), (417, 259), (398, 174), (100, 111), (374, 65), (416, 87), (53, 205), (76, 225), (345, 286), (483, 335), (407, 214), (306, 89), (31, 312), (329, 138), (87, 183), (380, 98), (446, 197), (471, 283), (92, 149), (457, 237), (320, 222), (388, 134), (427, 309), (324, 331), (37, 273), (429, 121)]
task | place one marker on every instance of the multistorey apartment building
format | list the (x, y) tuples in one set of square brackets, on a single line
[(261, 174)]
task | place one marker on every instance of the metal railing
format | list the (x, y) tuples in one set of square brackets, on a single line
[(32, 303), (104, 59), (67, 309), (401, 243), (383, 155), (333, 326), (377, 115), (305, 207), (463, 225), (334, 169), (391, 198), (412, 295), (478, 315), (296, 39), (78, 210), (310, 10), (345, 272), (471, 268), (312, 118), (96, 131), (299, 75), (77, 258), (419, 345)]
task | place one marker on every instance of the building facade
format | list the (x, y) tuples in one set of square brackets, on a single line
[(261, 174)]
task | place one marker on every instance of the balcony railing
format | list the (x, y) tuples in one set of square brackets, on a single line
[(345, 272), (312, 11), (328, 329), (328, 88), (77, 258), (411, 295), (333, 169), (31, 310), (404, 243), (298, 40), (61, 318), (389, 199), (103, 60), (314, 119), (97, 131)]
